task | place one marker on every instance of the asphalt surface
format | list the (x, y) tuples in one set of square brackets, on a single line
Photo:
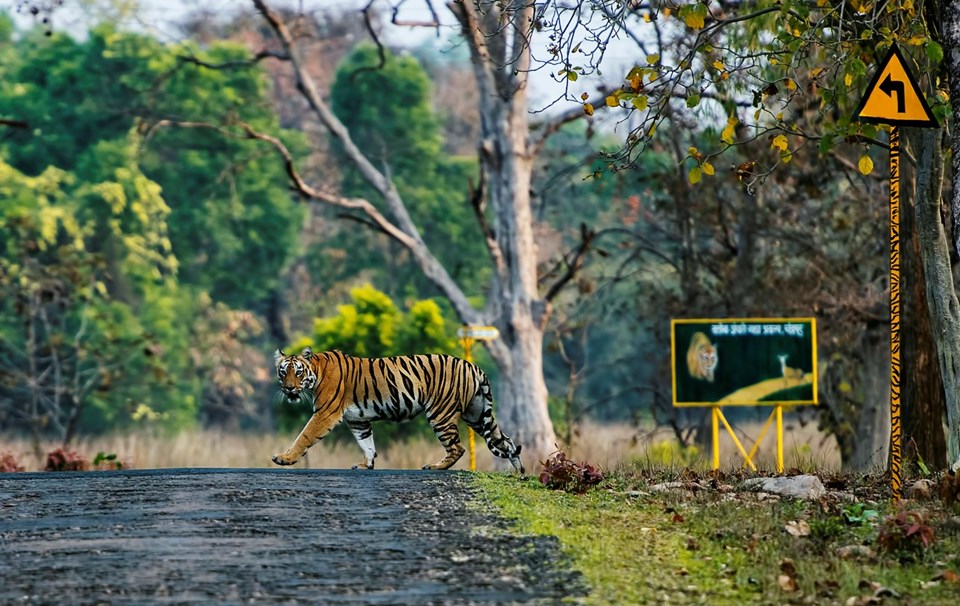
[(266, 537)]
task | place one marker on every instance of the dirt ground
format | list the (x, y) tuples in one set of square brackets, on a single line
[(265, 536)]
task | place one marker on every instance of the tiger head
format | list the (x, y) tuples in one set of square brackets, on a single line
[(297, 374)]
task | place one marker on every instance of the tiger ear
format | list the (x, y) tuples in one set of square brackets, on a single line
[(277, 356), (307, 353)]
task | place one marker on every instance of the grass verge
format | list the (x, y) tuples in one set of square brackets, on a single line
[(709, 543)]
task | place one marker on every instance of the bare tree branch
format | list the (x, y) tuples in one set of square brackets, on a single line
[(257, 58), (573, 265), (14, 123), (428, 263)]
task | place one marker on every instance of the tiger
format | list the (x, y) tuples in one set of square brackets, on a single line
[(701, 357), (358, 391)]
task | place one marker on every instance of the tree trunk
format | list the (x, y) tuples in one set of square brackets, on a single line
[(950, 28), (500, 57), (923, 405), (941, 296), (871, 440)]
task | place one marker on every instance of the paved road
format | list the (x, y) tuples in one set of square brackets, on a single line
[(265, 536)]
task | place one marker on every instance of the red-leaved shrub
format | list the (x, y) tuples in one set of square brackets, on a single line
[(62, 459), (9, 463), (562, 473)]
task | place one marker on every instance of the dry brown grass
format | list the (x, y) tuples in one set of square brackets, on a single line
[(606, 445)]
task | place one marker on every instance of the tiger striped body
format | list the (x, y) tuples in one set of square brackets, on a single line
[(359, 391)]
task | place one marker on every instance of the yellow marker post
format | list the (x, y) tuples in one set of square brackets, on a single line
[(468, 336), (896, 471), (467, 344), (893, 97)]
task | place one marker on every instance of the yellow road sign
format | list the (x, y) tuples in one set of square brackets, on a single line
[(478, 333), (894, 97)]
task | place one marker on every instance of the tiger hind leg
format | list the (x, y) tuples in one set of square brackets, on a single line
[(479, 417), (449, 436)]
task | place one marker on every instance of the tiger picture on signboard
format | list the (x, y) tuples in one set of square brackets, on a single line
[(701, 357)]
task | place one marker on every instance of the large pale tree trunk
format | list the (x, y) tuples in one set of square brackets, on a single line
[(498, 36)]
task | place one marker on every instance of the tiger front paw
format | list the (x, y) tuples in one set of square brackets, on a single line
[(283, 459)]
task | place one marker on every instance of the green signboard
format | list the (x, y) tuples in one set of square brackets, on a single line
[(744, 361)]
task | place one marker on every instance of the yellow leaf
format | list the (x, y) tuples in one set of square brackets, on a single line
[(718, 65), (848, 79), (821, 3), (692, 151), (572, 75), (707, 168), (666, 12), (786, 157), (584, 97), (780, 142), (653, 58), (612, 101), (640, 102), (815, 73), (646, 17), (695, 175), (865, 165), (588, 109), (729, 131), (696, 16), (917, 41), (791, 85)]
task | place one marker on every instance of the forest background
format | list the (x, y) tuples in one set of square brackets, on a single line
[(150, 263)]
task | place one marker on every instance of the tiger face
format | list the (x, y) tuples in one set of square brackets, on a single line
[(296, 374)]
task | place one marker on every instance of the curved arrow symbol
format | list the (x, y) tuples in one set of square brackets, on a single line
[(890, 86)]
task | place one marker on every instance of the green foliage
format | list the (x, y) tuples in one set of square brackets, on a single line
[(373, 326)]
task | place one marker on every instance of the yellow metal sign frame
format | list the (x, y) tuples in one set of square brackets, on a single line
[(776, 413)]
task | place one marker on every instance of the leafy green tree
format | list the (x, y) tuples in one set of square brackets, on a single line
[(228, 207)]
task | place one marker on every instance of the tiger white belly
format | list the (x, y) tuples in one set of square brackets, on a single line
[(390, 411)]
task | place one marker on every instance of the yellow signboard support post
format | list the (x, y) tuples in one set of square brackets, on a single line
[(893, 97), (467, 344), (468, 336)]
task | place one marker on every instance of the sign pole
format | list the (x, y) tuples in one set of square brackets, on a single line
[(894, 97), (467, 344), (896, 471), (468, 336)]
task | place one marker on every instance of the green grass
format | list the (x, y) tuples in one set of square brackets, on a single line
[(720, 546)]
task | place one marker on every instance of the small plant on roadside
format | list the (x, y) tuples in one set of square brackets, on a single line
[(108, 461), (562, 473), (62, 459), (9, 463), (905, 534), (858, 514), (827, 529)]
